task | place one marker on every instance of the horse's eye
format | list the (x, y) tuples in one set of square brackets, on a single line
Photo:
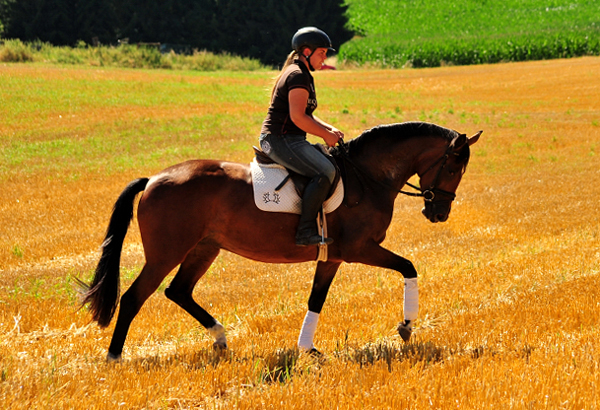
[(452, 171)]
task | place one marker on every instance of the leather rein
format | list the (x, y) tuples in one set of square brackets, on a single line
[(428, 194)]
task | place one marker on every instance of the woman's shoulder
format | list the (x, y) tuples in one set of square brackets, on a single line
[(296, 71), (293, 68)]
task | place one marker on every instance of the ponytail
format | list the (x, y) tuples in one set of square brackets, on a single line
[(290, 59)]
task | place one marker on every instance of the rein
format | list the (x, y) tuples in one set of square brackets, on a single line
[(428, 194)]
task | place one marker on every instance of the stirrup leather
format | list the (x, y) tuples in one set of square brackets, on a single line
[(323, 254)]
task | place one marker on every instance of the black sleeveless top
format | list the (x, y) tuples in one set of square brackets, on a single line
[(278, 120)]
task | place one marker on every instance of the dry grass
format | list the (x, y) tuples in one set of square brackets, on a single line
[(509, 285)]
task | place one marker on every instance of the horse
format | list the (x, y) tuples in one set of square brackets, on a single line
[(190, 211)]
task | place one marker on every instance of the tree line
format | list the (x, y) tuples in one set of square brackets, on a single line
[(260, 30)]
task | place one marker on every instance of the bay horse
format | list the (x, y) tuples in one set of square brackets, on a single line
[(190, 211)]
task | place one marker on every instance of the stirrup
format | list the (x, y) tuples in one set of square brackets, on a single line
[(310, 237), (313, 240)]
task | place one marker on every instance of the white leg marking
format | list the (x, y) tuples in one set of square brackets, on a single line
[(411, 308), (411, 299), (218, 332), (307, 333)]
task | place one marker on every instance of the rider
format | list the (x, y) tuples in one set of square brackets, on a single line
[(290, 118)]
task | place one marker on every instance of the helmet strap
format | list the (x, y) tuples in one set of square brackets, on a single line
[(308, 59)]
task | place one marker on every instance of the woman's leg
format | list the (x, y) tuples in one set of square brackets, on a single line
[(297, 154)]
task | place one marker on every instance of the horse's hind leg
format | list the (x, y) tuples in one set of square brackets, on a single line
[(131, 302), (180, 290)]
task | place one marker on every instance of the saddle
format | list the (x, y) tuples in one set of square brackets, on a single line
[(300, 181), (273, 193)]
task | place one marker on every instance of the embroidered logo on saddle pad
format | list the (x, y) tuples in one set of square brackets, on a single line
[(267, 177)]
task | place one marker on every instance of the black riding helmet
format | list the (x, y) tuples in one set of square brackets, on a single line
[(311, 38)]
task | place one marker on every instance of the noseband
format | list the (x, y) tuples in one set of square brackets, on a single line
[(428, 194)]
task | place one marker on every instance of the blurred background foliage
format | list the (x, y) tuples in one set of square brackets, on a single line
[(383, 33), (259, 30)]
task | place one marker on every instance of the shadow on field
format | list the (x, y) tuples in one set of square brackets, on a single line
[(283, 364), (198, 360), (393, 352)]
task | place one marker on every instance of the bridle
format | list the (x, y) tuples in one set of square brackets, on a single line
[(428, 194)]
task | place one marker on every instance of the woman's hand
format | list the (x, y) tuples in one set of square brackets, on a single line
[(333, 137), (338, 133)]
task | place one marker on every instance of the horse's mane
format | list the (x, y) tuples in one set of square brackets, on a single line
[(400, 131)]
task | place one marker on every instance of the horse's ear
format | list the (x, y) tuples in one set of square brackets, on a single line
[(458, 142), (475, 138)]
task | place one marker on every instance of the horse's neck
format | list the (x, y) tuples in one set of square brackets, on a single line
[(393, 165)]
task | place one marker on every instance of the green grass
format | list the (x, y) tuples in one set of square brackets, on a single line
[(17, 251), (140, 144), (76, 119), (421, 33), (128, 56)]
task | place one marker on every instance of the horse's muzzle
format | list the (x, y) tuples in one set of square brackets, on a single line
[(437, 211)]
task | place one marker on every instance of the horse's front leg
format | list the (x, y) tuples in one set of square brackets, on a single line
[(375, 255), (323, 277)]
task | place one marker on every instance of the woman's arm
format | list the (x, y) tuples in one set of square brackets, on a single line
[(328, 126), (298, 98)]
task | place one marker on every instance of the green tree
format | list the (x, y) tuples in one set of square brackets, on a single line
[(31, 20), (96, 19), (169, 21), (61, 22), (264, 30), (261, 30), (4, 15)]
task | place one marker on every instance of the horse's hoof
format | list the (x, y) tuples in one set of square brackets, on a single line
[(315, 353), (405, 334), (405, 330), (312, 352), (113, 358)]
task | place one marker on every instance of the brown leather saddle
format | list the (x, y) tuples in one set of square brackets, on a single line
[(299, 181)]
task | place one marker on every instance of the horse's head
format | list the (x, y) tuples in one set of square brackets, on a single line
[(440, 177)]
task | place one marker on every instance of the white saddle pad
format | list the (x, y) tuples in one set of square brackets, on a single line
[(265, 178)]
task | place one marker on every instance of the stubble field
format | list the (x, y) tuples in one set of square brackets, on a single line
[(509, 284)]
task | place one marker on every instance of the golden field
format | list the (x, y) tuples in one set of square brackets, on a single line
[(509, 306)]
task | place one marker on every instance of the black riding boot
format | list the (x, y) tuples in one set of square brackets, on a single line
[(312, 201)]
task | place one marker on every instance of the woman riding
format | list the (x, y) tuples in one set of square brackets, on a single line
[(290, 118)]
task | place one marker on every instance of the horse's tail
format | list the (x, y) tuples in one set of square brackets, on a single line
[(103, 293)]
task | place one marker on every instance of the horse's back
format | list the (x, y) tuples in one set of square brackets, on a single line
[(211, 201), (206, 170), (187, 193), (198, 177)]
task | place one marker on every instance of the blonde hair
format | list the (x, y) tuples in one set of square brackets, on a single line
[(289, 60)]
